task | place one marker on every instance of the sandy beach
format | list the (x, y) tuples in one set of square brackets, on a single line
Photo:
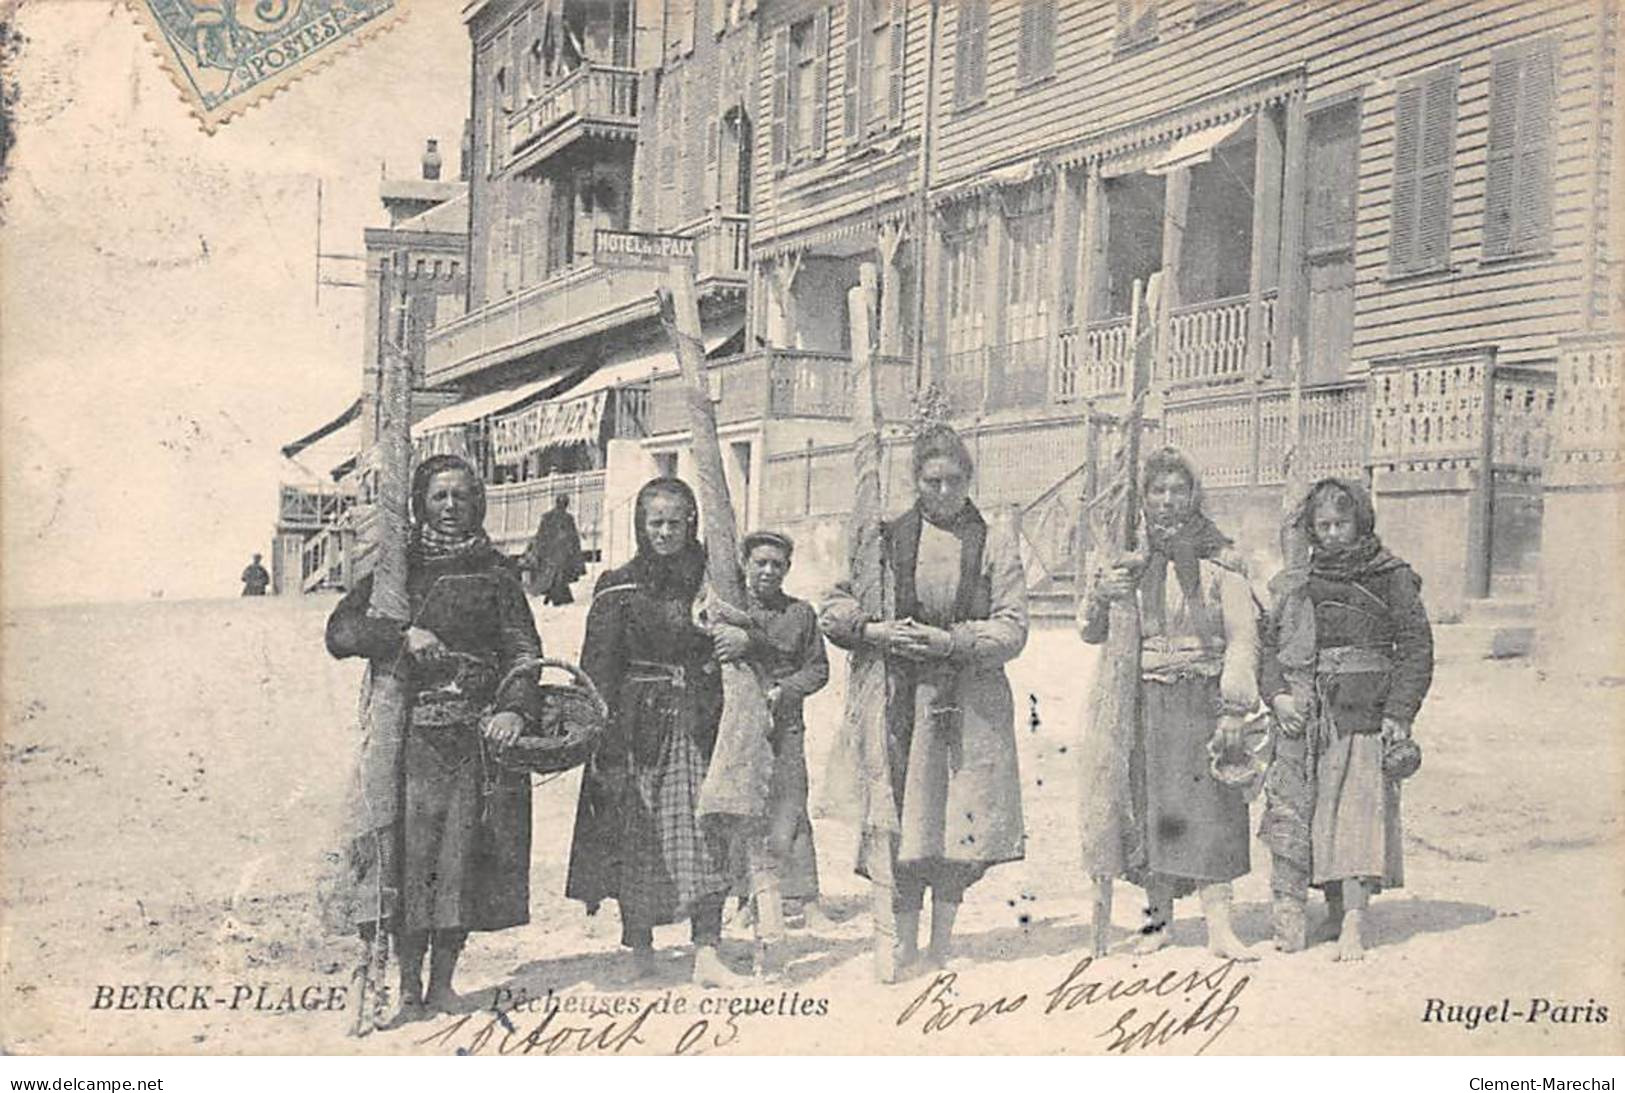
[(171, 774)]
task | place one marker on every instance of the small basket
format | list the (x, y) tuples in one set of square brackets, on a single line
[(574, 717)]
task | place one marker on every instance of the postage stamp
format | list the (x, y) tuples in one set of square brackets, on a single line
[(227, 55)]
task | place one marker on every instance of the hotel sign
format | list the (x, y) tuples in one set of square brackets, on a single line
[(641, 250)]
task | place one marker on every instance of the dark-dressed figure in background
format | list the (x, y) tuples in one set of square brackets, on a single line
[(1345, 683), (778, 636), (960, 597), (1198, 659), (255, 579), (554, 556), (637, 838), (465, 836)]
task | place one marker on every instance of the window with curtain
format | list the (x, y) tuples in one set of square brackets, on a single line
[(800, 67), (876, 33)]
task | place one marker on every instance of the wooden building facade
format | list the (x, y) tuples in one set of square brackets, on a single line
[(1410, 204)]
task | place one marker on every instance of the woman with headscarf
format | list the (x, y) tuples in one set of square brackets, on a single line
[(1186, 831), (959, 612), (464, 842), (637, 838), (1353, 699)]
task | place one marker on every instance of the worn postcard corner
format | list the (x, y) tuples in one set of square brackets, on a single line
[(226, 56)]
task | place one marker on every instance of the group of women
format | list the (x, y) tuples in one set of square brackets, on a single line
[(1343, 661)]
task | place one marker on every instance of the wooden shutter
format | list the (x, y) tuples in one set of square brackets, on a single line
[(899, 54), (1536, 123), (820, 93), (1435, 180), (1501, 158), (781, 98), (1407, 160), (713, 183), (970, 53), (856, 32), (1518, 169)]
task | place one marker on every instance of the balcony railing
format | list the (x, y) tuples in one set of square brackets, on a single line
[(513, 510), (1094, 362), (593, 93), (311, 509), (1207, 345), (780, 383), (579, 300), (1207, 342)]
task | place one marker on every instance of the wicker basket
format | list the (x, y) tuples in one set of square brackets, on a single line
[(574, 716)]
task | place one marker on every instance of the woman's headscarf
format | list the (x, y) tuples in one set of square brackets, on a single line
[(1195, 538), (1366, 556), (430, 544), (678, 574)]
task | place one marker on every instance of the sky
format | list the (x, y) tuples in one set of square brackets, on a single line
[(160, 337)]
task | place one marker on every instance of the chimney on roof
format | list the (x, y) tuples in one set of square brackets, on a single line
[(466, 152), (431, 161)]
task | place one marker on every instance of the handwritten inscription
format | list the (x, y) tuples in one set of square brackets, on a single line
[(1167, 1007)]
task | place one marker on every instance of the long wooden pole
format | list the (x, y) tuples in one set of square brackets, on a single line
[(741, 770), (1115, 709), (865, 715), (385, 698)]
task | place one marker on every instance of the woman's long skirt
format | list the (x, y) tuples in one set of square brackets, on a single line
[(1194, 828), (1356, 831), (637, 838)]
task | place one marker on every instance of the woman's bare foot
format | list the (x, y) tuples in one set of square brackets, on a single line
[(1223, 942), (710, 971), (1351, 945)]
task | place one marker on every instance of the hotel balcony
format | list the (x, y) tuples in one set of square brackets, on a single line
[(781, 383), (577, 302), (595, 100)]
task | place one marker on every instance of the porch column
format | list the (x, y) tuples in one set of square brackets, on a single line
[(891, 285), (1266, 252), (1176, 205), (1063, 264), (993, 299), (1091, 249), (1289, 300)]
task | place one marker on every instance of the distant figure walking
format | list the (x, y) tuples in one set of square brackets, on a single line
[(255, 579), (554, 558)]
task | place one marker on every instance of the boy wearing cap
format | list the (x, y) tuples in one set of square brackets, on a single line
[(779, 637)]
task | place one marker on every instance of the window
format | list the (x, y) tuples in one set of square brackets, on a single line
[(1136, 23), (801, 61), (1424, 172), (1518, 170), (875, 41), (970, 54), (1036, 60)]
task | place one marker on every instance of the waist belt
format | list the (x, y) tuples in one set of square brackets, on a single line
[(654, 671), (1345, 659), (1167, 658)]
